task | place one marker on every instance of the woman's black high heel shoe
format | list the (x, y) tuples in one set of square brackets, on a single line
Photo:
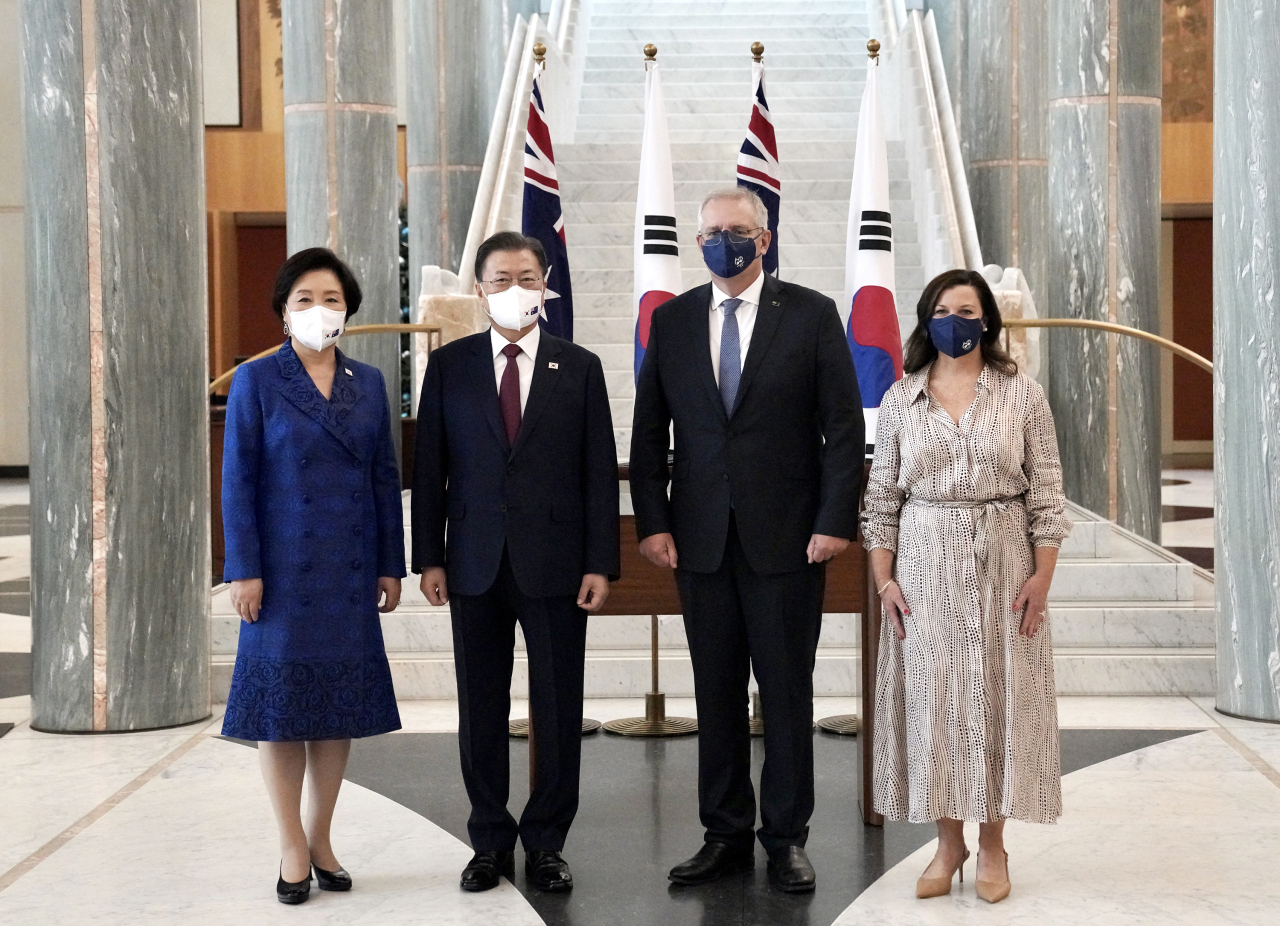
[(332, 880), (293, 892)]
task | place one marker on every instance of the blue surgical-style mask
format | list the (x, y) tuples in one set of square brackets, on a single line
[(955, 335), (727, 257)]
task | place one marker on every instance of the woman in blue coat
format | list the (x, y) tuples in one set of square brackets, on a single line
[(315, 549)]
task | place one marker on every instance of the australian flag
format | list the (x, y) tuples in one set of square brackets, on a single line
[(542, 218), (758, 162)]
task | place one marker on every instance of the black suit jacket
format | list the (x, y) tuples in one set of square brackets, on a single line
[(788, 462), (551, 500)]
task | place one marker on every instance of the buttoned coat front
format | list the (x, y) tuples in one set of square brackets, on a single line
[(311, 506)]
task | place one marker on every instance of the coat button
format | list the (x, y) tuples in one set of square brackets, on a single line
[(355, 496), (358, 531), (726, 477), (355, 564), (504, 508), (306, 499), (305, 567), (511, 470), (306, 462), (306, 532), (355, 599), (305, 600)]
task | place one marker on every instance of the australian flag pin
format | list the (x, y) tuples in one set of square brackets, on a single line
[(553, 366)]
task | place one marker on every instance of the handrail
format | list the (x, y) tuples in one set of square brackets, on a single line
[(1177, 349), (951, 142), (492, 154), (225, 378), (496, 204), (938, 148)]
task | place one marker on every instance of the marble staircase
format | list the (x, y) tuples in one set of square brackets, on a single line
[(815, 66), (1128, 618)]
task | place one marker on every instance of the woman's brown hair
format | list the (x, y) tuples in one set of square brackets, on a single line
[(920, 351)]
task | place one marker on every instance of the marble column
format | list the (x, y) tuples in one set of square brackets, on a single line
[(456, 53), (341, 178), (1003, 140), (117, 328), (1104, 252), (1246, 355)]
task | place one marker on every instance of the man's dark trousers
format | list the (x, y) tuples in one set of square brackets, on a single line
[(736, 619), (555, 633)]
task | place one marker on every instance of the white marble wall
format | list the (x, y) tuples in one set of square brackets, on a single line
[(1103, 262), (1246, 354), (116, 298), (341, 179), (13, 311)]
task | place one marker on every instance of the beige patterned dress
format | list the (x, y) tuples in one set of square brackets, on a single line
[(965, 710)]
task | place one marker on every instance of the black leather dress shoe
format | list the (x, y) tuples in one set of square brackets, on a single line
[(714, 860), (548, 870), (293, 892), (790, 871), (331, 880), (484, 870)]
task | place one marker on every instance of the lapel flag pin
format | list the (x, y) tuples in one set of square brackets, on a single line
[(553, 366), (347, 370)]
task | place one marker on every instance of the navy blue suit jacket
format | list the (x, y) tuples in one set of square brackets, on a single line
[(787, 463), (551, 500)]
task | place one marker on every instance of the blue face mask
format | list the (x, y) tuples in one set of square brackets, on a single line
[(727, 258), (955, 336)]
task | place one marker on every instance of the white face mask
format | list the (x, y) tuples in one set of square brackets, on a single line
[(514, 307), (318, 326)]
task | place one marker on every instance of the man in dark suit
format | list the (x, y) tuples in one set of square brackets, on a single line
[(758, 378), (515, 455)]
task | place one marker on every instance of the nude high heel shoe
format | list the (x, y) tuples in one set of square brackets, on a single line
[(995, 891), (937, 887)]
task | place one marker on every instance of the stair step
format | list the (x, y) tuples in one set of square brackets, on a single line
[(718, 150), (721, 172), (707, 136), (778, 90), (737, 104), (626, 673)]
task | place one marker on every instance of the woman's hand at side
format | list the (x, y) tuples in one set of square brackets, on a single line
[(895, 606), (246, 598), (388, 593), (1033, 600)]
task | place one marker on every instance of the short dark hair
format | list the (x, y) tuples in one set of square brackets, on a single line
[(920, 351), (510, 241), (305, 261)]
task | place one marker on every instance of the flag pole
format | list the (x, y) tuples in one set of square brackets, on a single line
[(658, 233), (848, 724)]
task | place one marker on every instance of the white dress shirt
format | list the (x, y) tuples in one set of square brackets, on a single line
[(524, 360), (746, 315)]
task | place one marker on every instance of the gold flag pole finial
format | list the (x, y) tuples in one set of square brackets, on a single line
[(873, 51), (757, 52), (650, 52), (539, 53)]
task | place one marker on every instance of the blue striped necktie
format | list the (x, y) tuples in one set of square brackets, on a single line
[(730, 355)]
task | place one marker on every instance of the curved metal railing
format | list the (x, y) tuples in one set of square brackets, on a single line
[(225, 379), (1176, 349)]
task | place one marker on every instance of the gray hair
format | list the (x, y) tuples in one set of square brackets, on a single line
[(742, 194)]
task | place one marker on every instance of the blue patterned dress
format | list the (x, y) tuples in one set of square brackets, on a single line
[(311, 505)]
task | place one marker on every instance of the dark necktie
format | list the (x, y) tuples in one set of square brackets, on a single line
[(730, 355), (509, 394)]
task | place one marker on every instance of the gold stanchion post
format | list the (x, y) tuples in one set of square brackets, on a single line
[(655, 721)]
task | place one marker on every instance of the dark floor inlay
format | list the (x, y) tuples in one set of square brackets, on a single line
[(638, 817), (1170, 513), (1175, 482), (5, 728), (15, 674), (1201, 556)]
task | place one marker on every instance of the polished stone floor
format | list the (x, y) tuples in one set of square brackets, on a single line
[(1172, 817)]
